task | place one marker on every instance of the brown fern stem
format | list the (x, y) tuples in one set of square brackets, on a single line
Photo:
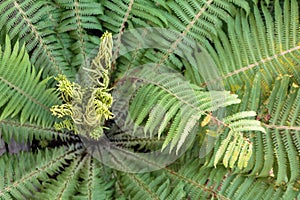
[(282, 127), (121, 31)]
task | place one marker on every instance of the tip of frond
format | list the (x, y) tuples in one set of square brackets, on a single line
[(106, 35)]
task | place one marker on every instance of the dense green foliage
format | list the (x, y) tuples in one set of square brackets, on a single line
[(255, 46)]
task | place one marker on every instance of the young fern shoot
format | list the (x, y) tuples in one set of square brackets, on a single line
[(86, 107)]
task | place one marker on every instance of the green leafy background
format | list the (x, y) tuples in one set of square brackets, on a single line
[(255, 45)]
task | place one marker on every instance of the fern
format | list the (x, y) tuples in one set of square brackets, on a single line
[(135, 13), (41, 165), (153, 186), (23, 94), (185, 105), (218, 183), (279, 144), (77, 17), (234, 133), (283, 128), (259, 43), (167, 104), (27, 132), (95, 175), (34, 25)]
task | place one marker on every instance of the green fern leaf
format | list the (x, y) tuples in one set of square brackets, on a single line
[(33, 29), (261, 43), (183, 114), (77, 17), (14, 184), (26, 132), (23, 94)]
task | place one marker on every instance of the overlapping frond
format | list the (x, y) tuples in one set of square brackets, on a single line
[(33, 23), (150, 186), (26, 132), (256, 47), (260, 42), (192, 180), (219, 183), (275, 153), (281, 142), (132, 13), (195, 18), (235, 148), (82, 179), (165, 104), (97, 182), (21, 175), (76, 18), (201, 19), (23, 93)]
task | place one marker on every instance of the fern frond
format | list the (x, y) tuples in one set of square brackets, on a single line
[(182, 106), (284, 109), (26, 132), (79, 15), (149, 186), (259, 43), (201, 18), (64, 186), (205, 183), (131, 13), (280, 145), (96, 181), (76, 18), (275, 152), (20, 178), (236, 148), (22, 92), (33, 23)]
